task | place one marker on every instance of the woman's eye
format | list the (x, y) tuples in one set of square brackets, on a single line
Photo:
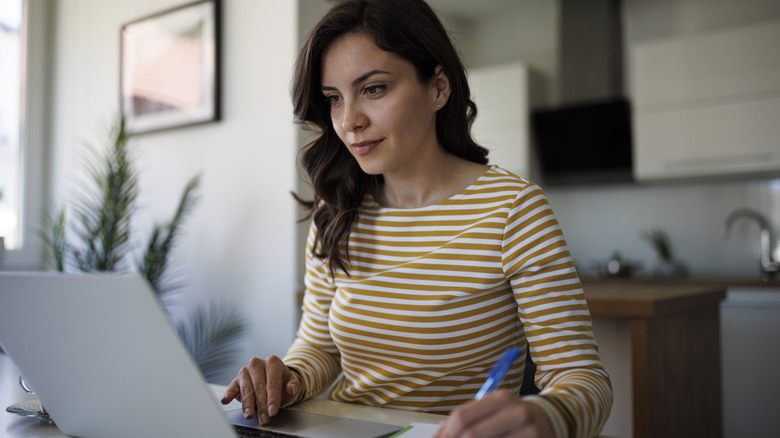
[(373, 90), (333, 99)]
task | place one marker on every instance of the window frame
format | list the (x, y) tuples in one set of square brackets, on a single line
[(33, 138)]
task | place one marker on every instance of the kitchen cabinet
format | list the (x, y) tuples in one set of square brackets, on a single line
[(502, 124), (660, 342), (708, 104), (750, 326)]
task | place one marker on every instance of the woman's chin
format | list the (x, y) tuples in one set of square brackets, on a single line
[(369, 168)]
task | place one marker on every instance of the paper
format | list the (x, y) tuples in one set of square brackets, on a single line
[(417, 430)]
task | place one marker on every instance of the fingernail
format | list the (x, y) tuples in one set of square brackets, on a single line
[(264, 418), (272, 410), (247, 413)]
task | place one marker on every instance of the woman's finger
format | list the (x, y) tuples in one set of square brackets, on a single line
[(461, 418), (262, 387), (274, 374), (232, 392), (476, 417), (257, 382), (510, 420)]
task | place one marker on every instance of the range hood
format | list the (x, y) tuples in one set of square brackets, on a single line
[(586, 137)]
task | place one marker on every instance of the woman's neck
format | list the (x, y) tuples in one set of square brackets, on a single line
[(430, 185)]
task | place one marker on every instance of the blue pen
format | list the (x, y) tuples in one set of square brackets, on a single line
[(498, 371)]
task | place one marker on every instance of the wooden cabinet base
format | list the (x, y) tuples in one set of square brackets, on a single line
[(675, 353)]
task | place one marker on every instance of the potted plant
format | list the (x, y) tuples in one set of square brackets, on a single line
[(101, 239), (666, 265)]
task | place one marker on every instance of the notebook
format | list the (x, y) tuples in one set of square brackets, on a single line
[(104, 360)]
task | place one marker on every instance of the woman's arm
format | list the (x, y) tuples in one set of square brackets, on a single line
[(576, 394), (313, 354), (575, 388)]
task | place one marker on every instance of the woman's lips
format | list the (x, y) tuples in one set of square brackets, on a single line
[(365, 147)]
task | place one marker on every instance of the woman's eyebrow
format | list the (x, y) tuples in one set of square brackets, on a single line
[(359, 79), (365, 76)]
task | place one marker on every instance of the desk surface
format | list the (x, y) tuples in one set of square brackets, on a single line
[(16, 426), (10, 393), (13, 425)]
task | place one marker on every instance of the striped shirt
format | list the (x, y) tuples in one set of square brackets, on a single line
[(436, 294)]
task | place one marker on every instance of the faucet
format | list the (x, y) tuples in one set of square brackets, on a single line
[(768, 265)]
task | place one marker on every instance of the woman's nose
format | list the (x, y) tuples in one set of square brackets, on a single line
[(354, 118)]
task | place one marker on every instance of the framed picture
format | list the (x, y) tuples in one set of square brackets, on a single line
[(169, 71)]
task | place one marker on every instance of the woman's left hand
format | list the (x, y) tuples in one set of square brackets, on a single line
[(498, 414)]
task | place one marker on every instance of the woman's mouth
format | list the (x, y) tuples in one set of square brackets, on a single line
[(365, 147)]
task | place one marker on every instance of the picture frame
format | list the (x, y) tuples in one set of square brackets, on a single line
[(170, 68)]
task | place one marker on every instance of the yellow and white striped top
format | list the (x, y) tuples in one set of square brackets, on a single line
[(436, 294)]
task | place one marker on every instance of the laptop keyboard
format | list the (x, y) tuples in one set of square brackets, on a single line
[(250, 432)]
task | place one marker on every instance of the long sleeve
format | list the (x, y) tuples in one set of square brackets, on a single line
[(313, 352), (576, 389)]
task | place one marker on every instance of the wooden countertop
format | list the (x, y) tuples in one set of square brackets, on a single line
[(636, 298)]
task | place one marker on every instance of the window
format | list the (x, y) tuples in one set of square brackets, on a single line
[(11, 88)]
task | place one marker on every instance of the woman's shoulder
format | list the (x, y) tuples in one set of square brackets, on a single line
[(500, 188), (497, 176)]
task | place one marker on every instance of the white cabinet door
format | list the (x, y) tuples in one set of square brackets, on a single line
[(502, 124), (708, 105)]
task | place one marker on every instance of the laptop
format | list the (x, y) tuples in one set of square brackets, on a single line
[(105, 361)]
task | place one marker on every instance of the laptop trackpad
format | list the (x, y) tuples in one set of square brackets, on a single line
[(286, 420), (348, 428), (314, 425)]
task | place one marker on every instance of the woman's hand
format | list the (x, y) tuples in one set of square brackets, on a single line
[(499, 413), (263, 386)]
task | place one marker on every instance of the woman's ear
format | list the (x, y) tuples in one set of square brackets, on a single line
[(441, 85)]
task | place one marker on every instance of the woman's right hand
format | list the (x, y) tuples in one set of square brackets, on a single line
[(262, 387)]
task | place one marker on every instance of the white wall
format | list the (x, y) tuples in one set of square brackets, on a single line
[(239, 244)]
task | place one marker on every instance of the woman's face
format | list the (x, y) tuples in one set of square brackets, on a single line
[(379, 108)]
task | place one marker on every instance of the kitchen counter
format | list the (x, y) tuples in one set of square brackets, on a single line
[(674, 353), (650, 282), (626, 298)]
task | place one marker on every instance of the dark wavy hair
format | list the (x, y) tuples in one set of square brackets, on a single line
[(411, 30)]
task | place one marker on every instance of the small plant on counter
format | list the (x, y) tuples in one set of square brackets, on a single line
[(658, 239), (103, 241), (667, 265)]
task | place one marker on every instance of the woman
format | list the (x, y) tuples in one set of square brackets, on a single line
[(423, 263)]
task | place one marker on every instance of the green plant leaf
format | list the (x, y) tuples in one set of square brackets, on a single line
[(212, 334), (55, 244), (659, 240), (105, 210), (155, 264), (102, 232)]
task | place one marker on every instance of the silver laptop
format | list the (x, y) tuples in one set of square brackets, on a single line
[(105, 361)]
